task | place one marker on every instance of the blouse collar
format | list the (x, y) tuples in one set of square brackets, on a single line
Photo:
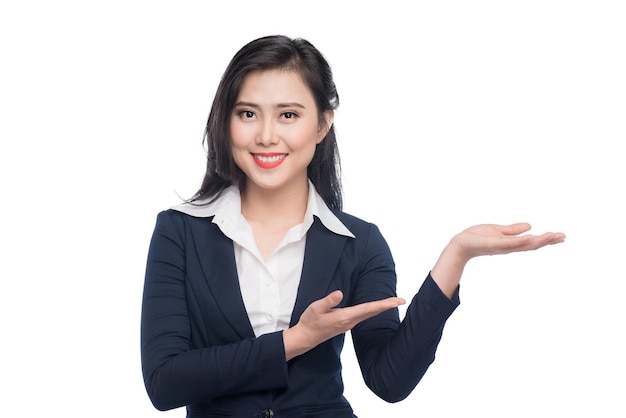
[(226, 210)]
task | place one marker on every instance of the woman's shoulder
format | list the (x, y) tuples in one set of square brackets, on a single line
[(356, 225), (176, 217), (348, 218), (368, 238)]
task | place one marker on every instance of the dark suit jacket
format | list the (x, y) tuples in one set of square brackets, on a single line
[(199, 350)]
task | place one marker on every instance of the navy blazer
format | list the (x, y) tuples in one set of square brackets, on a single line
[(199, 350)]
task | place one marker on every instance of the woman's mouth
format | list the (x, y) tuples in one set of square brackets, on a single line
[(269, 159)]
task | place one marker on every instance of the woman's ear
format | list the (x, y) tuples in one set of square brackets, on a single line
[(327, 123)]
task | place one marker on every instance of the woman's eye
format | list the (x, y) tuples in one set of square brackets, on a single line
[(246, 114), (289, 115)]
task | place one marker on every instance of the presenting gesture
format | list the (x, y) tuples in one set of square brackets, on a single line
[(321, 321), (485, 240)]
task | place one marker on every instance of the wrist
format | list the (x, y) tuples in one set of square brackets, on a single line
[(449, 268), (294, 343), (454, 252)]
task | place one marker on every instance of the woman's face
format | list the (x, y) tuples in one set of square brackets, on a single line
[(275, 128)]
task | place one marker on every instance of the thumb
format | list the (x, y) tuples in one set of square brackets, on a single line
[(333, 299), (516, 229)]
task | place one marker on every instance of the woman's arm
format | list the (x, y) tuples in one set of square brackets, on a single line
[(394, 356), (175, 372)]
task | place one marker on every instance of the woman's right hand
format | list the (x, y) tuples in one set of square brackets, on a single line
[(322, 321)]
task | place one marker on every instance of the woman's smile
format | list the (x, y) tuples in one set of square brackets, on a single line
[(269, 159)]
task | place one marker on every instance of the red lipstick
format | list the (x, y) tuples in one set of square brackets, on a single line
[(269, 159)]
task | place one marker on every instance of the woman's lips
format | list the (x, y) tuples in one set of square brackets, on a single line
[(269, 159)]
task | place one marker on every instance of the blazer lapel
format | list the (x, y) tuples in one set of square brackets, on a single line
[(321, 256), (217, 259)]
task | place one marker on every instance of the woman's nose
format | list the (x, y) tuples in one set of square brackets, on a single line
[(267, 134)]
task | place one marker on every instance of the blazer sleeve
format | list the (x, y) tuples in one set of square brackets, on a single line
[(176, 373), (394, 356)]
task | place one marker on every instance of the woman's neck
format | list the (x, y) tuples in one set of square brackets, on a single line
[(284, 207), (271, 213)]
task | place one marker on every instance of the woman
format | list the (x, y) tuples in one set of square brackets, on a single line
[(251, 285)]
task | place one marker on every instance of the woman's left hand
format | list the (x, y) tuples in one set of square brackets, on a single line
[(487, 239), (491, 239)]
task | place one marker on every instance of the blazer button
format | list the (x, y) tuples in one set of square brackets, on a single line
[(267, 413)]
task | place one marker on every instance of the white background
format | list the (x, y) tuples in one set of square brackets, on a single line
[(452, 113)]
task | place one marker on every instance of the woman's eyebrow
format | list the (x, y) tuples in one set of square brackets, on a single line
[(247, 104), (291, 104), (279, 105)]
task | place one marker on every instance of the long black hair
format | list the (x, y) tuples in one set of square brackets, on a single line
[(267, 53)]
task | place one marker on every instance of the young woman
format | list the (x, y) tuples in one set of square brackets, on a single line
[(251, 285)]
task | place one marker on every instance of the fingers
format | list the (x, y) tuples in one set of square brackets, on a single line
[(354, 314), (375, 307), (520, 228), (549, 238), (382, 305), (348, 317), (529, 242), (532, 242)]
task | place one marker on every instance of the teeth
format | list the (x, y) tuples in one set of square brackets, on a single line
[(269, 159)]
